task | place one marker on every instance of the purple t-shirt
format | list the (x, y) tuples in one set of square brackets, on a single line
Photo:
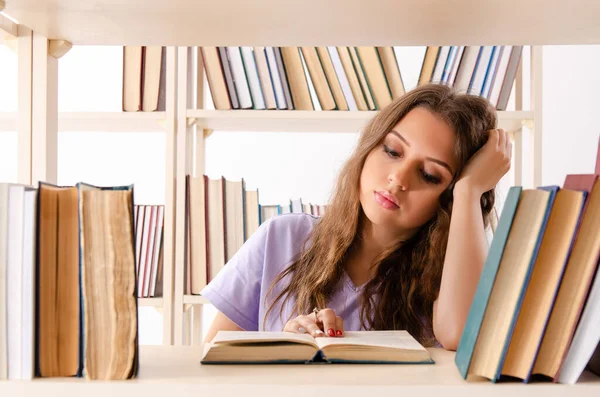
[(239, 289)]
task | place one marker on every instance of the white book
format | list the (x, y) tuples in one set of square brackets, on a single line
[(449, 63), (157, 249), (500, 73), (3, 248), (276, 78), (145, 286), (454, 69), (440, 64), (239, 77), (343, 79), (144, 250), (481, 67), (283, 77), (252, 76), (491, 72), (14, 280), (586, 338), (466, 68), (29, 291)]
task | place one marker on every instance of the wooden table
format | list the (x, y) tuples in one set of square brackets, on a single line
[(169, 371)]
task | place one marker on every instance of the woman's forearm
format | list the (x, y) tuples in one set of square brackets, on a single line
[(465, 256)]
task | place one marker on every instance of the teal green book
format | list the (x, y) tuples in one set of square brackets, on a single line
[(464, 352)]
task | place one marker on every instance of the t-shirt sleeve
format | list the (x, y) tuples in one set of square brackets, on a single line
[(235, 291)]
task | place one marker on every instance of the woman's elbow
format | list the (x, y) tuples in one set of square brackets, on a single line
[(448, 337)]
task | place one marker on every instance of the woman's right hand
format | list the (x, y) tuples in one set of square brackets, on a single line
[(322, 323)]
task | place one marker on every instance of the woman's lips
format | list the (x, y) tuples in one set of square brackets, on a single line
[(386, 201)]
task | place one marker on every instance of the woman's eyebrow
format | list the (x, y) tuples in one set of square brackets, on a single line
[(434, 160)]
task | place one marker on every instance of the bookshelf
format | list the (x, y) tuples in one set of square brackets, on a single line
[(185, 120), (311, 121), (180, 24), (271, 22)]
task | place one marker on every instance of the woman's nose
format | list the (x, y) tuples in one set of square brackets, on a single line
[(400, 177)]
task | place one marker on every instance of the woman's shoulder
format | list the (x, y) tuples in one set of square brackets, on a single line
[(290, 228), (292, 221)]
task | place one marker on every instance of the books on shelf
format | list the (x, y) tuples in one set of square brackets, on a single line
[(69, 295), (149, 225), (349, 78), (366, 347), (144, 80), (220, 216), (536, 308)]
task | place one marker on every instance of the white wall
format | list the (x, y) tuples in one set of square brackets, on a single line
[(281, 165), (570, 111)]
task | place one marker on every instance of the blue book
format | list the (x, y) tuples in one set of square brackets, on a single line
[(470, 333)]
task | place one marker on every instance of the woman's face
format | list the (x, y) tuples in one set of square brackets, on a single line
[(403, 177)]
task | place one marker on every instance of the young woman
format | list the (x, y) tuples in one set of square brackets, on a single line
[(402, 243)]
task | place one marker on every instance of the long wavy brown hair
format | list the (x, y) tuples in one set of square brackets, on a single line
[(408, 276)]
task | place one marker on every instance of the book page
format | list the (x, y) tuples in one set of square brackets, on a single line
[(392, 339), (230, 337)]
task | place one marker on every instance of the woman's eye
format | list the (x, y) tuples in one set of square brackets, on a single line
[(430, 178), (390, 152)]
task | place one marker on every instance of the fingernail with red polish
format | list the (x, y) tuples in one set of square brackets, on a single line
[(338, 332), (330, 332)]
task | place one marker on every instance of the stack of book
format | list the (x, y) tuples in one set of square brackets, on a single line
[(349, 78), (149, 225), (68, 302), (144, 79), (536, 311)]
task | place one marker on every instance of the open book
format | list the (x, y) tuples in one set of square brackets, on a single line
[(372, 347)]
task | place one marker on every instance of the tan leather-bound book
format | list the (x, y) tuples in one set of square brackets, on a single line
[(58, 289), (574, 287), (215, 77), (362, 78), (511, 281), (332, 78), (197, 233), (545, 280), (392, 71), (132, 78), (317, 75), (296, 78), (153, 61), (264, 77), (108, 282), (428, 64), (347, 64)]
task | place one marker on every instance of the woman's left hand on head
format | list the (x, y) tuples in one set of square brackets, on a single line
[(489, 164)]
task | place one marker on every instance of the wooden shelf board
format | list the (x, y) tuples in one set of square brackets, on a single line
[(195, 300), (7, 26), (311, 22), (97, 121), (150, 302), (176, 370), (310, 121)]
